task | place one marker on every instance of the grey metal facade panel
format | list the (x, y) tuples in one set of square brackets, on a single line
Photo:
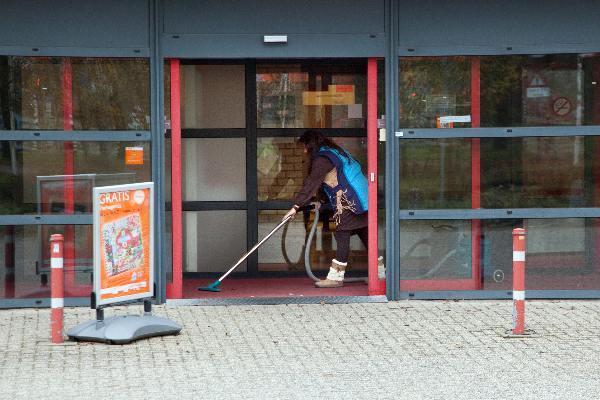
[(82, 24), (53, 51), (252, 46), (545, 24), (504, 50), (273, 16)]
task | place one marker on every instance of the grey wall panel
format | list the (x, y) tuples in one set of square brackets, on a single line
[(250, 46), (74, 24), (484, 26), (273, 16)]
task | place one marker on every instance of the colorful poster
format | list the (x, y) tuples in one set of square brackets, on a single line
[(123, 243)]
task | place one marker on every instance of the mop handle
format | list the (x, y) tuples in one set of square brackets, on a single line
[(241, 260)]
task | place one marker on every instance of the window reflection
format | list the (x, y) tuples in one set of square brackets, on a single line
[(105, 94), (526, 172), (539, 172), (561, 253), (435, 173), (33, 179), (521, 90), (311, 96), (213, 96), (433, 87), (435, 250), (25, 255)]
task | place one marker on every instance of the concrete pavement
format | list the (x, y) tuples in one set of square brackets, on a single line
[(396, 350)]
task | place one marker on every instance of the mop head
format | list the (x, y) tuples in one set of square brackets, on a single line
[(213, 287)]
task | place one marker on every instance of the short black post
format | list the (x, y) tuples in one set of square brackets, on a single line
[(147, 307), (99, 314)]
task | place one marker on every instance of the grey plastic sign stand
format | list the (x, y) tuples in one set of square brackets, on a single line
[(123, 329)]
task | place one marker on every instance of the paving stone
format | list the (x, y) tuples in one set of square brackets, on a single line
[(399, 350)]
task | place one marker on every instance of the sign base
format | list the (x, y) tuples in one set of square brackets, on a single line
[(123, 329)]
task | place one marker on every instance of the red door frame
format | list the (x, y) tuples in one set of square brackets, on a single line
[(175, 288), (69, 171), (376, 286), (474, 282)]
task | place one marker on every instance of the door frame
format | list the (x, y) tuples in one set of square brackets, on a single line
[(175, 288)]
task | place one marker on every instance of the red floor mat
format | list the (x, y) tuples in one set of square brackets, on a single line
[(268, 287)]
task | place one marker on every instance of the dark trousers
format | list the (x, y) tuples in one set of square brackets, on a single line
[(343, 242)]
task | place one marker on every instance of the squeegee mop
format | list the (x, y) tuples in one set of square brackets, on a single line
[(214, 287)]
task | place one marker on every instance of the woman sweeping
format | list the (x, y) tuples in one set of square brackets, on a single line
[(346, 187)]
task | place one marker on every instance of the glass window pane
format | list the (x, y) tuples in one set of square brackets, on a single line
[(34, 175), (213, 96), (435, 173), (540, 90), (435, 250), (105, 94), (35, 93), (213, 240), (540, 172), (561, 254), (432, 87), (514, 172), (284, 251), (281, 168), (282, 165), (111, 94), (214, 169), (522, 90), (311, 96), (25, 269)]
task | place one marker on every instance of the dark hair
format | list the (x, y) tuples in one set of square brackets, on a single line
[(313, 140)]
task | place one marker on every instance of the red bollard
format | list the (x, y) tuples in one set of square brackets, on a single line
[(57, 287), (518, 281)]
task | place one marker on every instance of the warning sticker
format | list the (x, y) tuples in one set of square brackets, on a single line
[(561, 106), (134, 156)]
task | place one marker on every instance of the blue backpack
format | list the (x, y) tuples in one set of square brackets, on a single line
[(350, 179)]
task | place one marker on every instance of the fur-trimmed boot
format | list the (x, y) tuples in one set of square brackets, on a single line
[(335, 277)]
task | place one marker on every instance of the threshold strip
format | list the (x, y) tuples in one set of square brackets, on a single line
[(277, 300)]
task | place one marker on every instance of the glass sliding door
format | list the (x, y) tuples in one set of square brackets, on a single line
[(534, 154)]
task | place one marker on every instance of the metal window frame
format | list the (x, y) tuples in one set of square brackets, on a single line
[(157, 125), (392, 155), (500, 132), (76, 136), (155, 79), (397, 134), (498, 213), (251, 132)]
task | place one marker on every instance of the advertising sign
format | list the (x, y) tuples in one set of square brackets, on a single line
[(552, 96), (335, 95), (123, 242)]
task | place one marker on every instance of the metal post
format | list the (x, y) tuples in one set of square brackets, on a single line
[(57, 287), (518, 281)]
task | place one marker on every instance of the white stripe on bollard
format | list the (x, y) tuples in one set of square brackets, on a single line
[(518, 256), (57, 303), (518, 295)]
